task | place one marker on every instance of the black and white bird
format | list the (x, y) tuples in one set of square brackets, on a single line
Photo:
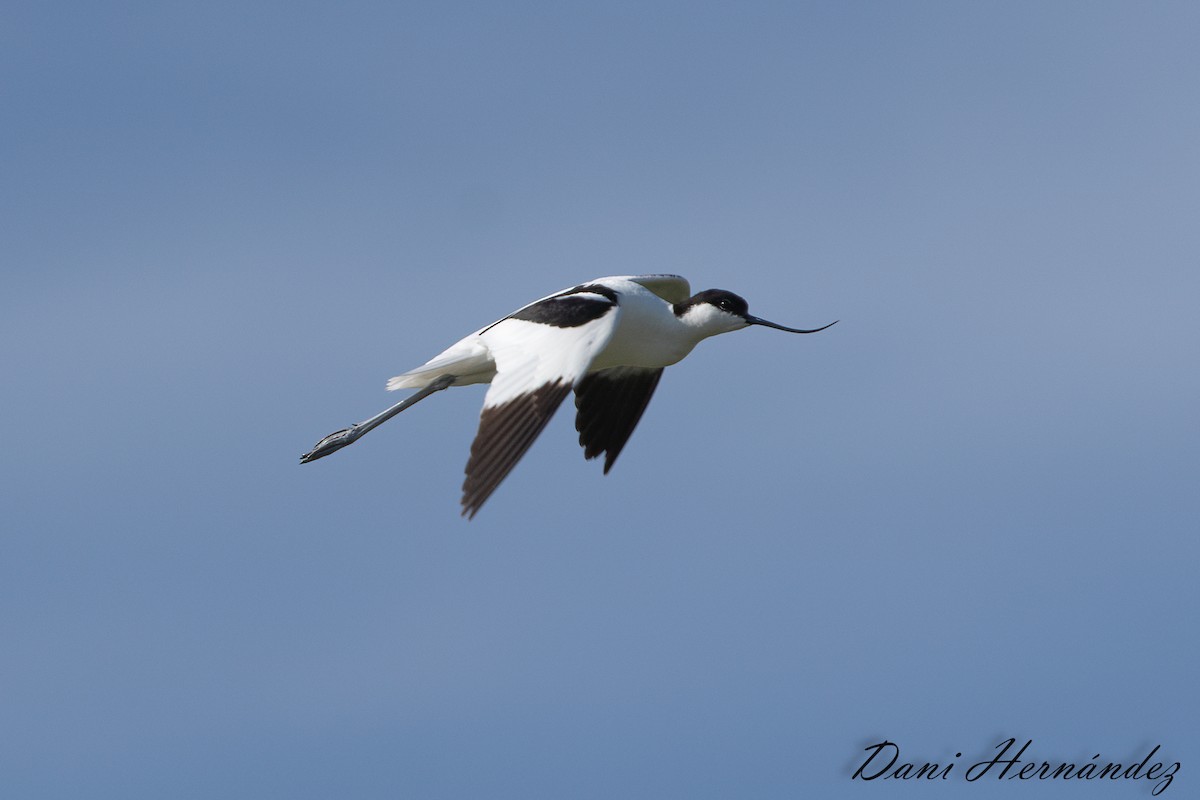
[(608, 340)]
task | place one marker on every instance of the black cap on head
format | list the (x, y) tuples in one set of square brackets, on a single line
[(720, 298)]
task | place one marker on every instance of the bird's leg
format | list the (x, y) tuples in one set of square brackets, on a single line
[(339, 439)]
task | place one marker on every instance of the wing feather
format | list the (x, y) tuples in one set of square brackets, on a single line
[(537, 364), (610, 403), (672, 288)]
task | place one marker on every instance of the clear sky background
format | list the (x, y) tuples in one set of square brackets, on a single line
[(968, 512)]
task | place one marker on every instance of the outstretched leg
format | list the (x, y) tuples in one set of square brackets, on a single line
[(339, 439)]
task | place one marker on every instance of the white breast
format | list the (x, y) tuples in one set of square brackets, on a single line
[(647, 334)]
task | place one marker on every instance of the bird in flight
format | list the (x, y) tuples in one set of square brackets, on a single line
[(608, 340)]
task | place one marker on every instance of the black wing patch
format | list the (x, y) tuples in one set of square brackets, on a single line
[(505, 433), (572, 308), (610, 403)]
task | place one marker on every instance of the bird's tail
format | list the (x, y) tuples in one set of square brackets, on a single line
[(468, 361)]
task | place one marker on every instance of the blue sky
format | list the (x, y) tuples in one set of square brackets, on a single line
[(967, 512)]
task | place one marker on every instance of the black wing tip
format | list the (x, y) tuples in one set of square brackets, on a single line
[(610, 457), (505, 433), (610, 404)]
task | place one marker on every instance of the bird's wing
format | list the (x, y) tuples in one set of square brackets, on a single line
[(540, 353), (610, 403), (671, 288)]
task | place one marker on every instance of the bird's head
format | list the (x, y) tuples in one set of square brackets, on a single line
[(715, 311)]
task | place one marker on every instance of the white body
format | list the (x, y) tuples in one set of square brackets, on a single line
[(642, 331)]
